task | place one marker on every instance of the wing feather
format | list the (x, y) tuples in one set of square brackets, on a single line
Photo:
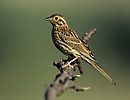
[(72, 40)]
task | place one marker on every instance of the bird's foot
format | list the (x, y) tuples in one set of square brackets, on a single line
[(69, 63)]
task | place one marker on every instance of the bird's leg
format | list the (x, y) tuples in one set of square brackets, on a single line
[(76, 63), (69, 63), (73, 60)]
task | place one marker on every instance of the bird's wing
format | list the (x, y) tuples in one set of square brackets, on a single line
[(90, 52), (72, 39)]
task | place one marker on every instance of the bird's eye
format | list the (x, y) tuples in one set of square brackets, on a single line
[(56, 18)]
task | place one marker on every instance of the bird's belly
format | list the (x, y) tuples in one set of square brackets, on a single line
[(66, 49)]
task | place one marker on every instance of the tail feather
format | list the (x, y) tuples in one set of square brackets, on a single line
[(96, 66)]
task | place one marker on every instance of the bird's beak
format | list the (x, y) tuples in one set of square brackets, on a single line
[(48, 19)]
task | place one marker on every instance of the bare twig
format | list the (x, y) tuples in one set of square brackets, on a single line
[(87, 36)]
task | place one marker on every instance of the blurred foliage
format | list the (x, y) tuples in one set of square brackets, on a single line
[(27, 52)]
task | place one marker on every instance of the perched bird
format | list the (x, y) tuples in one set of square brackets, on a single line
[(68, 42)]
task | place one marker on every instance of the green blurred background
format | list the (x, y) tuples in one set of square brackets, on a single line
[(27, 51)]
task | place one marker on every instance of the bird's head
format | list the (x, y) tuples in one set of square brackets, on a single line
[(57, 20)]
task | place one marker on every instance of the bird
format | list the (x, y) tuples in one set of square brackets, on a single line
[(69, 43)]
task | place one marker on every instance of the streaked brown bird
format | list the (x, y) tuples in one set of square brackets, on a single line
[(68, 42)]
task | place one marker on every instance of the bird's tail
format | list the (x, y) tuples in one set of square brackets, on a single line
[(95, 65)]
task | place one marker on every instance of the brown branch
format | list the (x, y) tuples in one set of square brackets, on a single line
[(66, 79), (87, 36)]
